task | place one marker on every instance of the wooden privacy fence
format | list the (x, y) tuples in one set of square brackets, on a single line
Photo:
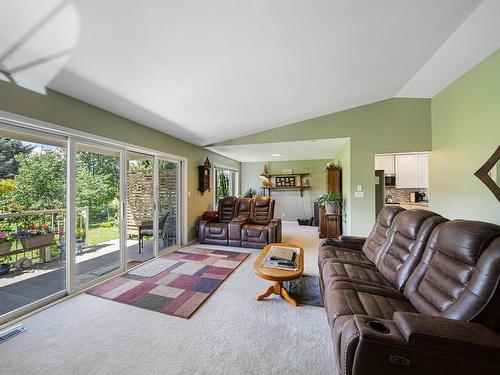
[(140, 198)]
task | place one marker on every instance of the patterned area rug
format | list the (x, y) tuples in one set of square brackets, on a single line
[(174, 284)]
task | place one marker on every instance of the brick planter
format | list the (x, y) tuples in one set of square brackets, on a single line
[(37, 241), (5, 247)]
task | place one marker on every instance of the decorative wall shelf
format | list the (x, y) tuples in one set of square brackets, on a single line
[(290, 174), (267, 190)]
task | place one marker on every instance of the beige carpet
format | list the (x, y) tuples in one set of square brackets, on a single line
[(230, 334)]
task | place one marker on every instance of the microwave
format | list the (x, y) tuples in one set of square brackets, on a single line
[(390, 180)]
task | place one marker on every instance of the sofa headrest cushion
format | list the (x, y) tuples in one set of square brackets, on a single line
[(228, 201), (262, 201), (409, 222), (387, 214), (465, 240)]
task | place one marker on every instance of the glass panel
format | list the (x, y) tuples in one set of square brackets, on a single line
[(98, 208), (32, 210), (225, 183), (139, 210), (168, 217)]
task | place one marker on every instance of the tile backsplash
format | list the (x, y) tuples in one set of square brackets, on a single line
[(403, 195)]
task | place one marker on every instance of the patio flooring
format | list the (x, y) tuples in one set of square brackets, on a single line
[(18, 289)]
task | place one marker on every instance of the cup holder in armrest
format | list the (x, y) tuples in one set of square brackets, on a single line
[(378, 327)]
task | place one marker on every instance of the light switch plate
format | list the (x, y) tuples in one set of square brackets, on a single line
[(359, 188), (359, 194)]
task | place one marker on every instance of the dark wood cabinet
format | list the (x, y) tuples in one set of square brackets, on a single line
[(330, 225), (333, 225), (334, 180)]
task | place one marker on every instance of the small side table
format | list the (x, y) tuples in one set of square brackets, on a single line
[(278, 276)]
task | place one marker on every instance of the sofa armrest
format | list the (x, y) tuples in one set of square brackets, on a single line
[(275, 222), (348, 242), (439, 333), (201, 230), (234, 227), (274, 231), (210, 216), (413, 343)]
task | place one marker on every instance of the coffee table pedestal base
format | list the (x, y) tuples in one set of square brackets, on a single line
[(278, 290)]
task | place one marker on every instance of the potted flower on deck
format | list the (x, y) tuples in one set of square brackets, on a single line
[(36, 237), (5, 242)]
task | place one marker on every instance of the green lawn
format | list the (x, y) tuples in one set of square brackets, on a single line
[(98, 235)]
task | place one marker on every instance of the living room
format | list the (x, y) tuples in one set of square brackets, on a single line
[(157, 159)]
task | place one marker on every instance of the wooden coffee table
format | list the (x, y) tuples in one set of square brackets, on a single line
[(278, 276)]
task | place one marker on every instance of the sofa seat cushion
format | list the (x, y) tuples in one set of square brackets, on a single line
[(345, 298), (339, 253), (216, 228), (216, 231), (254, 233), (334, 271)]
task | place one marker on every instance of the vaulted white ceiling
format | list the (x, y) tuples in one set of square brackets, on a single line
[(300, 150), (207, 71)]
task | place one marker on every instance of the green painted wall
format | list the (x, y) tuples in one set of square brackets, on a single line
[(394, 125), (289, 204), (343, 159), (62, 110), (465, 132)]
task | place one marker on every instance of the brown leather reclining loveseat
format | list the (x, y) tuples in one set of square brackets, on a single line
[(246, 222), (419, 295)]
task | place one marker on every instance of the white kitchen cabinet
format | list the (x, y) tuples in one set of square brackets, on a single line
[(423, 171), (406, 171), (385, 162), (412, 171)]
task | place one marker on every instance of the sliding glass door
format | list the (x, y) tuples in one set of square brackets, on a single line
[(74, 211), (97, 232), (168, 203), (140, 207), (32, 218)]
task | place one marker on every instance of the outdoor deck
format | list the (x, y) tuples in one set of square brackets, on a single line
[(18, 289)]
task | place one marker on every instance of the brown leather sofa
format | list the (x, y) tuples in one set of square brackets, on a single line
[(419, 295), (246, 222)]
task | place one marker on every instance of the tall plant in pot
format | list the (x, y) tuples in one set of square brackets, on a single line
[(332, 202)]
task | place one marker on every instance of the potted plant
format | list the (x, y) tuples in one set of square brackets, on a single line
[(36, 236), (249, 193), (5, 242), (332, 202)]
